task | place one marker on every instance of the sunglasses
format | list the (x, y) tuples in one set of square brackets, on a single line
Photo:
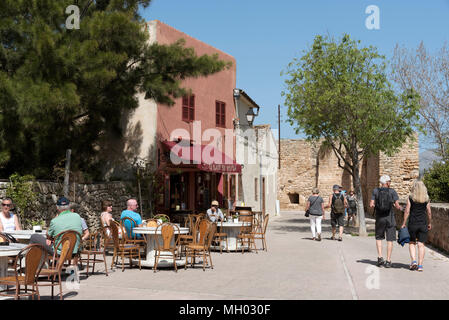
[(6, 204)]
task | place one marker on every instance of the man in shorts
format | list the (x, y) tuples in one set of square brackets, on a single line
[(382, 200), (338, 204)]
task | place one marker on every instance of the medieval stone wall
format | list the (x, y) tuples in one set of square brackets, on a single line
[(305, 166), (88, 197)]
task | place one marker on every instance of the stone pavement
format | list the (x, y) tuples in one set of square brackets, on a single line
[(293, 268)]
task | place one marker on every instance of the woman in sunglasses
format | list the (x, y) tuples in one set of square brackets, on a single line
[(8, 220)]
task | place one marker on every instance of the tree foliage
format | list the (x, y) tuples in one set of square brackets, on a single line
[(20, 190), (429, 76), (339, 92), (66, 88), (436, 180)]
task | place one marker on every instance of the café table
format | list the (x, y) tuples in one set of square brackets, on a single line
[(232, 229), (10, 250), (152, 237)]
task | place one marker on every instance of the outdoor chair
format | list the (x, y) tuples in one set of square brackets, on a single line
[(168, 247), (107, 235), (202, 247), (152, 223), (35, 256), (54, 271), (131, 237), (123, 249), (192, 223), (221, 236), (246, 233), (74, 237), (260, 234), (93, 246)]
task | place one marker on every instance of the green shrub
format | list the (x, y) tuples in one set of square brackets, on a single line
[(436, 180), (20, 190)]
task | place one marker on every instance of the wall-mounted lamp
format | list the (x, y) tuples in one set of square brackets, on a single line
[(250, 115)]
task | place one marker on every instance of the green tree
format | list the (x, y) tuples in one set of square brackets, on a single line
[(436, 180), (20, 190), (338, 92), (66, 88)]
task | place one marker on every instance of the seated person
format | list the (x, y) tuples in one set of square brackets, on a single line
[(8, 220), (65, 220), (214, 213), (130, 212)]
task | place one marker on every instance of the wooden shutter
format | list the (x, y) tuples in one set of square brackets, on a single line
[(222, 119), (185, 108), (192, 108)]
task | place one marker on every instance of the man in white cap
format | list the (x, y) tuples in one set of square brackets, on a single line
[(382, 200), (214, 213)]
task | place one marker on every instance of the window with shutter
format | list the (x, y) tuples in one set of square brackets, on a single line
[(188, 108), (220, 108)]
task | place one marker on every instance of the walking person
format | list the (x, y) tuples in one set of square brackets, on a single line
[(419, 218), (338, 204), (382, 200), (352, 207), (315, 207)]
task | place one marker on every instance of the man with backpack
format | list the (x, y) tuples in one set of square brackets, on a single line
[(383, 199), (338, 204)]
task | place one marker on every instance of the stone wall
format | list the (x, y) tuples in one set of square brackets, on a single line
[(305, 166), (439, 235), (88, 197)]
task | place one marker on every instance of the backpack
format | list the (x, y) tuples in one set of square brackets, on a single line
[(338, 203), (383, 201), (352, 203)]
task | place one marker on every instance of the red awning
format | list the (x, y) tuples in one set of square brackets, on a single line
[(205, 157)]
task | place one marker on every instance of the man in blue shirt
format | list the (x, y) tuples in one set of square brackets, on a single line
[(130, 212)]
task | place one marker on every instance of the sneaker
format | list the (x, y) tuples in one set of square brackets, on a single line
[(420, 268), (380, 262), (333, 238), (313, 238), (319, 237), (413, 266), (387, 264), (340, 239)]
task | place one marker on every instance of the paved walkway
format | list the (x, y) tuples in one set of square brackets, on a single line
[(293, 268)]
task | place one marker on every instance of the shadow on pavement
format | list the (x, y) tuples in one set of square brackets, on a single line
[(394, 265)]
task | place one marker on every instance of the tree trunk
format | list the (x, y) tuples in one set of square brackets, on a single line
[(358, 191)]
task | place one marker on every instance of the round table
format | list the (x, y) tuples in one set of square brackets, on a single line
[(151, 237), (232, 229), (11, 250)]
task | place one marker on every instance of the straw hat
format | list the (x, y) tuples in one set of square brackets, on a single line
[(214, 203)]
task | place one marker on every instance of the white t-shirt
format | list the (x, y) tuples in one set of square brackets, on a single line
[(8, 223), (213, 217)]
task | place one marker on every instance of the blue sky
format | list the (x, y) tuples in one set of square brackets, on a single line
[(264, 36)]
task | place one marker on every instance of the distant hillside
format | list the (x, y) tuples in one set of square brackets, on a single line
[(425, 159)]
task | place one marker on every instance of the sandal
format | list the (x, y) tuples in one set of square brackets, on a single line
[(420, 268), (414, 265)]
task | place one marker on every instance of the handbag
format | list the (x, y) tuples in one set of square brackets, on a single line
[(308, 210)]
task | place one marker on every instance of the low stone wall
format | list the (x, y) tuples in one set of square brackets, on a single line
[(439, 235), (88, 197)]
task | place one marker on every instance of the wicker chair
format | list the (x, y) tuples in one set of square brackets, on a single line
[(201, 248), (65, 245), (246, 233), (35, 256), (192, 223), (123, 249), (74, 237), (221, 236), (152, 223), (132, 237), (168, 247), (162, 217), (260, 234), (93, 246)]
